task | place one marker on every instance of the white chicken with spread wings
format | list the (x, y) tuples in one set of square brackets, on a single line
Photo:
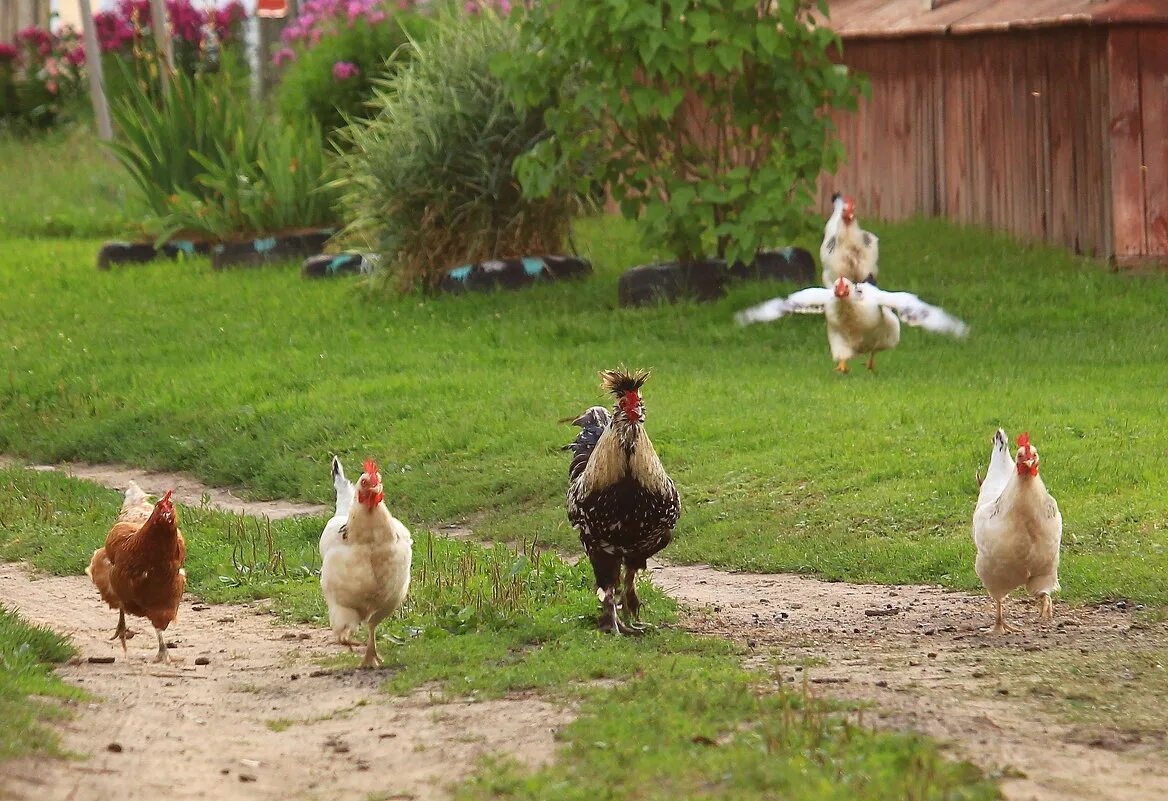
[(1017, 529), (365, 570), (847, 251), (861, 318)]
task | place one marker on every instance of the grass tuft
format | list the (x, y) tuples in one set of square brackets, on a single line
[(27, 684)]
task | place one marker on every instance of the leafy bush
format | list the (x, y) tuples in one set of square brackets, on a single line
[(40, 76), (708, 119), (336, 51), (206, 166), (281, 189), (429, 180)]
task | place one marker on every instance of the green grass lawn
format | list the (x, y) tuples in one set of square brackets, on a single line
[(28, 685), (254, 377), (668, 715), (62, 184)]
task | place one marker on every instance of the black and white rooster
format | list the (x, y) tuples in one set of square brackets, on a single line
[(619, 497)]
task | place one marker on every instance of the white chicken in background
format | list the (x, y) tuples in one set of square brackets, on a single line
[(136, 508), (1017, 529), (861, 318), (848, 251), (365, 570)]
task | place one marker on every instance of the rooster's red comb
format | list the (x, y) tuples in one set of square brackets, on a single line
[(1024, 439), (370, 467), (166, 497)]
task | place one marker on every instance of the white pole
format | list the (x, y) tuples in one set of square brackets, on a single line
[(162, 38), (101, 113)]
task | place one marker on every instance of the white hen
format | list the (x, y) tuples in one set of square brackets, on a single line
[(861, 318), (1017, 528), (365, 570), (136, 508), (847, 251)]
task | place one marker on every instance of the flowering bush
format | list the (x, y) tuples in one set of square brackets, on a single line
[(201, 40), (129, 24), (336, 50), (40, 75)]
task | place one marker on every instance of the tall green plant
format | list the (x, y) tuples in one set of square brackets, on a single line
[(162, 137), (207, 166), (282, 188), (708, 119), (429, 180)]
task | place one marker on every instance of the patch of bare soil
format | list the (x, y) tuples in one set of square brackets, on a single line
[(917, 654), (259, 720)]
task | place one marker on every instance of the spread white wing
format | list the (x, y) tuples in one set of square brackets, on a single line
[(914, 311), (812, 300)]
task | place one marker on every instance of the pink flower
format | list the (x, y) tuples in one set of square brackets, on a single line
[(283, 56), (8, 54), (51, 86), (76, 56), (343, 70)]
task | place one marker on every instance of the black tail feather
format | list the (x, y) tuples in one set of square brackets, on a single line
[(592, 424)]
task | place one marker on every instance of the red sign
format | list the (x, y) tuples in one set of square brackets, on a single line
[(273, 9)]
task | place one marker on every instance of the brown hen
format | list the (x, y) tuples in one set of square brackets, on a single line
[(139, 571)]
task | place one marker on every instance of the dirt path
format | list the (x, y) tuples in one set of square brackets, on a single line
[(259, 721), (918, 655), (915, 653)]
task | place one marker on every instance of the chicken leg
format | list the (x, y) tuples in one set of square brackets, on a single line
[(872, 361), (631, 602), (842, 367), (1046, 610), (610, 617), (121, 632), (372, 659), (163, 653), (1000, 624)]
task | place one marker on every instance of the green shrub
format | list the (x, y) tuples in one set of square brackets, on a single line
[(161, 137), (429, 180), (309, 84), (712, 116), (281, 189)]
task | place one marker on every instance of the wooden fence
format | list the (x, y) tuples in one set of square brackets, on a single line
[(18, 14), (1057, 135)]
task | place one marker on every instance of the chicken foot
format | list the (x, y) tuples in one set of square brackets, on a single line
[(372, 658), (122, 632), (631, 602), (163, 653), (872, 361), (1046, 610), (842, 367), (1000, 625), (610, 617)]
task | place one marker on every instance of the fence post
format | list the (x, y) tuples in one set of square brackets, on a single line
[(163, 38), (96, 79)]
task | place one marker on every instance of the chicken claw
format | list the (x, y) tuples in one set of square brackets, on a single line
[(121, 632), (1000, 625)]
